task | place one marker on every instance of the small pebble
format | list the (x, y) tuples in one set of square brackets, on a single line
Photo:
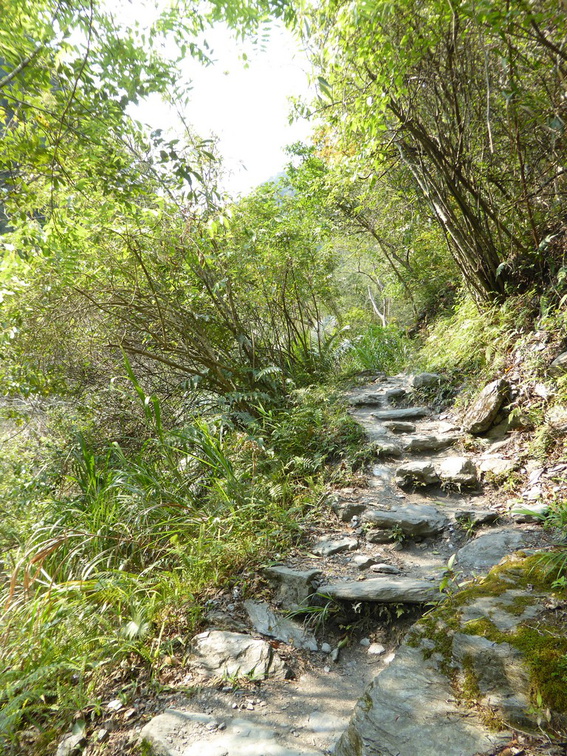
[(335, 654), (326, 648), (376, 649), (364, 641), (326, 669)]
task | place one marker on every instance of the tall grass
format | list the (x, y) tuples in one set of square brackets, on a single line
[(120, 548)]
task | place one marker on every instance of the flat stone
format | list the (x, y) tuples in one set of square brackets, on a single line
[(385, 590), (406, 413), (410, 710), (418, 473), (480, 416), (428, 443), (387, 569), (218, 653), (414, 520), (362, 561), (368, 399), (426, 380), (496, 466), (476, 516), (346, 509), (185, 733), (458, 471), (293, 586), (328, 547), (488, 549), (398, 426), (387, 449), (267, 622)]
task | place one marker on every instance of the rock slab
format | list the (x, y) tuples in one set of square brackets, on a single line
[(414, 520), (386, 590), (218, 653), (409, 710), (267, 622), (482, 413)]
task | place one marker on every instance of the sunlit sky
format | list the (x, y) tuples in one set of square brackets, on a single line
[(247, 108)]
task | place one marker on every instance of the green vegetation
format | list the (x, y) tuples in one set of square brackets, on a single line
[(172, 359)]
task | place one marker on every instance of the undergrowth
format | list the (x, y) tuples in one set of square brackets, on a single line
[(108, 552)]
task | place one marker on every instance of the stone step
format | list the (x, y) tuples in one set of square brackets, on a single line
[(386, 590), (428, 443), (404, 413), (414, 520)]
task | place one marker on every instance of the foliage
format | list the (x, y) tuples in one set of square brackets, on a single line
[(465, 100)]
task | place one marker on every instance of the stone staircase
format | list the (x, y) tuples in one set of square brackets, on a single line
[(389, 546)]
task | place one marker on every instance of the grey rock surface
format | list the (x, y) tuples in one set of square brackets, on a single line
[(406, 413), (458, 471), (500, 675), (363, 562), (186, 733), (218, 653), (488, 549), (415, 520), (426, 380), (428, 443), (410, 710), (418, 473), (399, 426), (330, 546), (293, 586), (480, 416), (386, 569), (476, 517), (267, 622), (385, 590)]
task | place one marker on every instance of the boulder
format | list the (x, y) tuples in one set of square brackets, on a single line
[(419, 473), (480, 416), (459, 472), (218, 653), (293, 586), (488, 549), (426, 380), (414, 520), (385, 590), (267, 622)]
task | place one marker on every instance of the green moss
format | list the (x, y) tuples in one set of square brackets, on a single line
[(469, 687), (542, 642)]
